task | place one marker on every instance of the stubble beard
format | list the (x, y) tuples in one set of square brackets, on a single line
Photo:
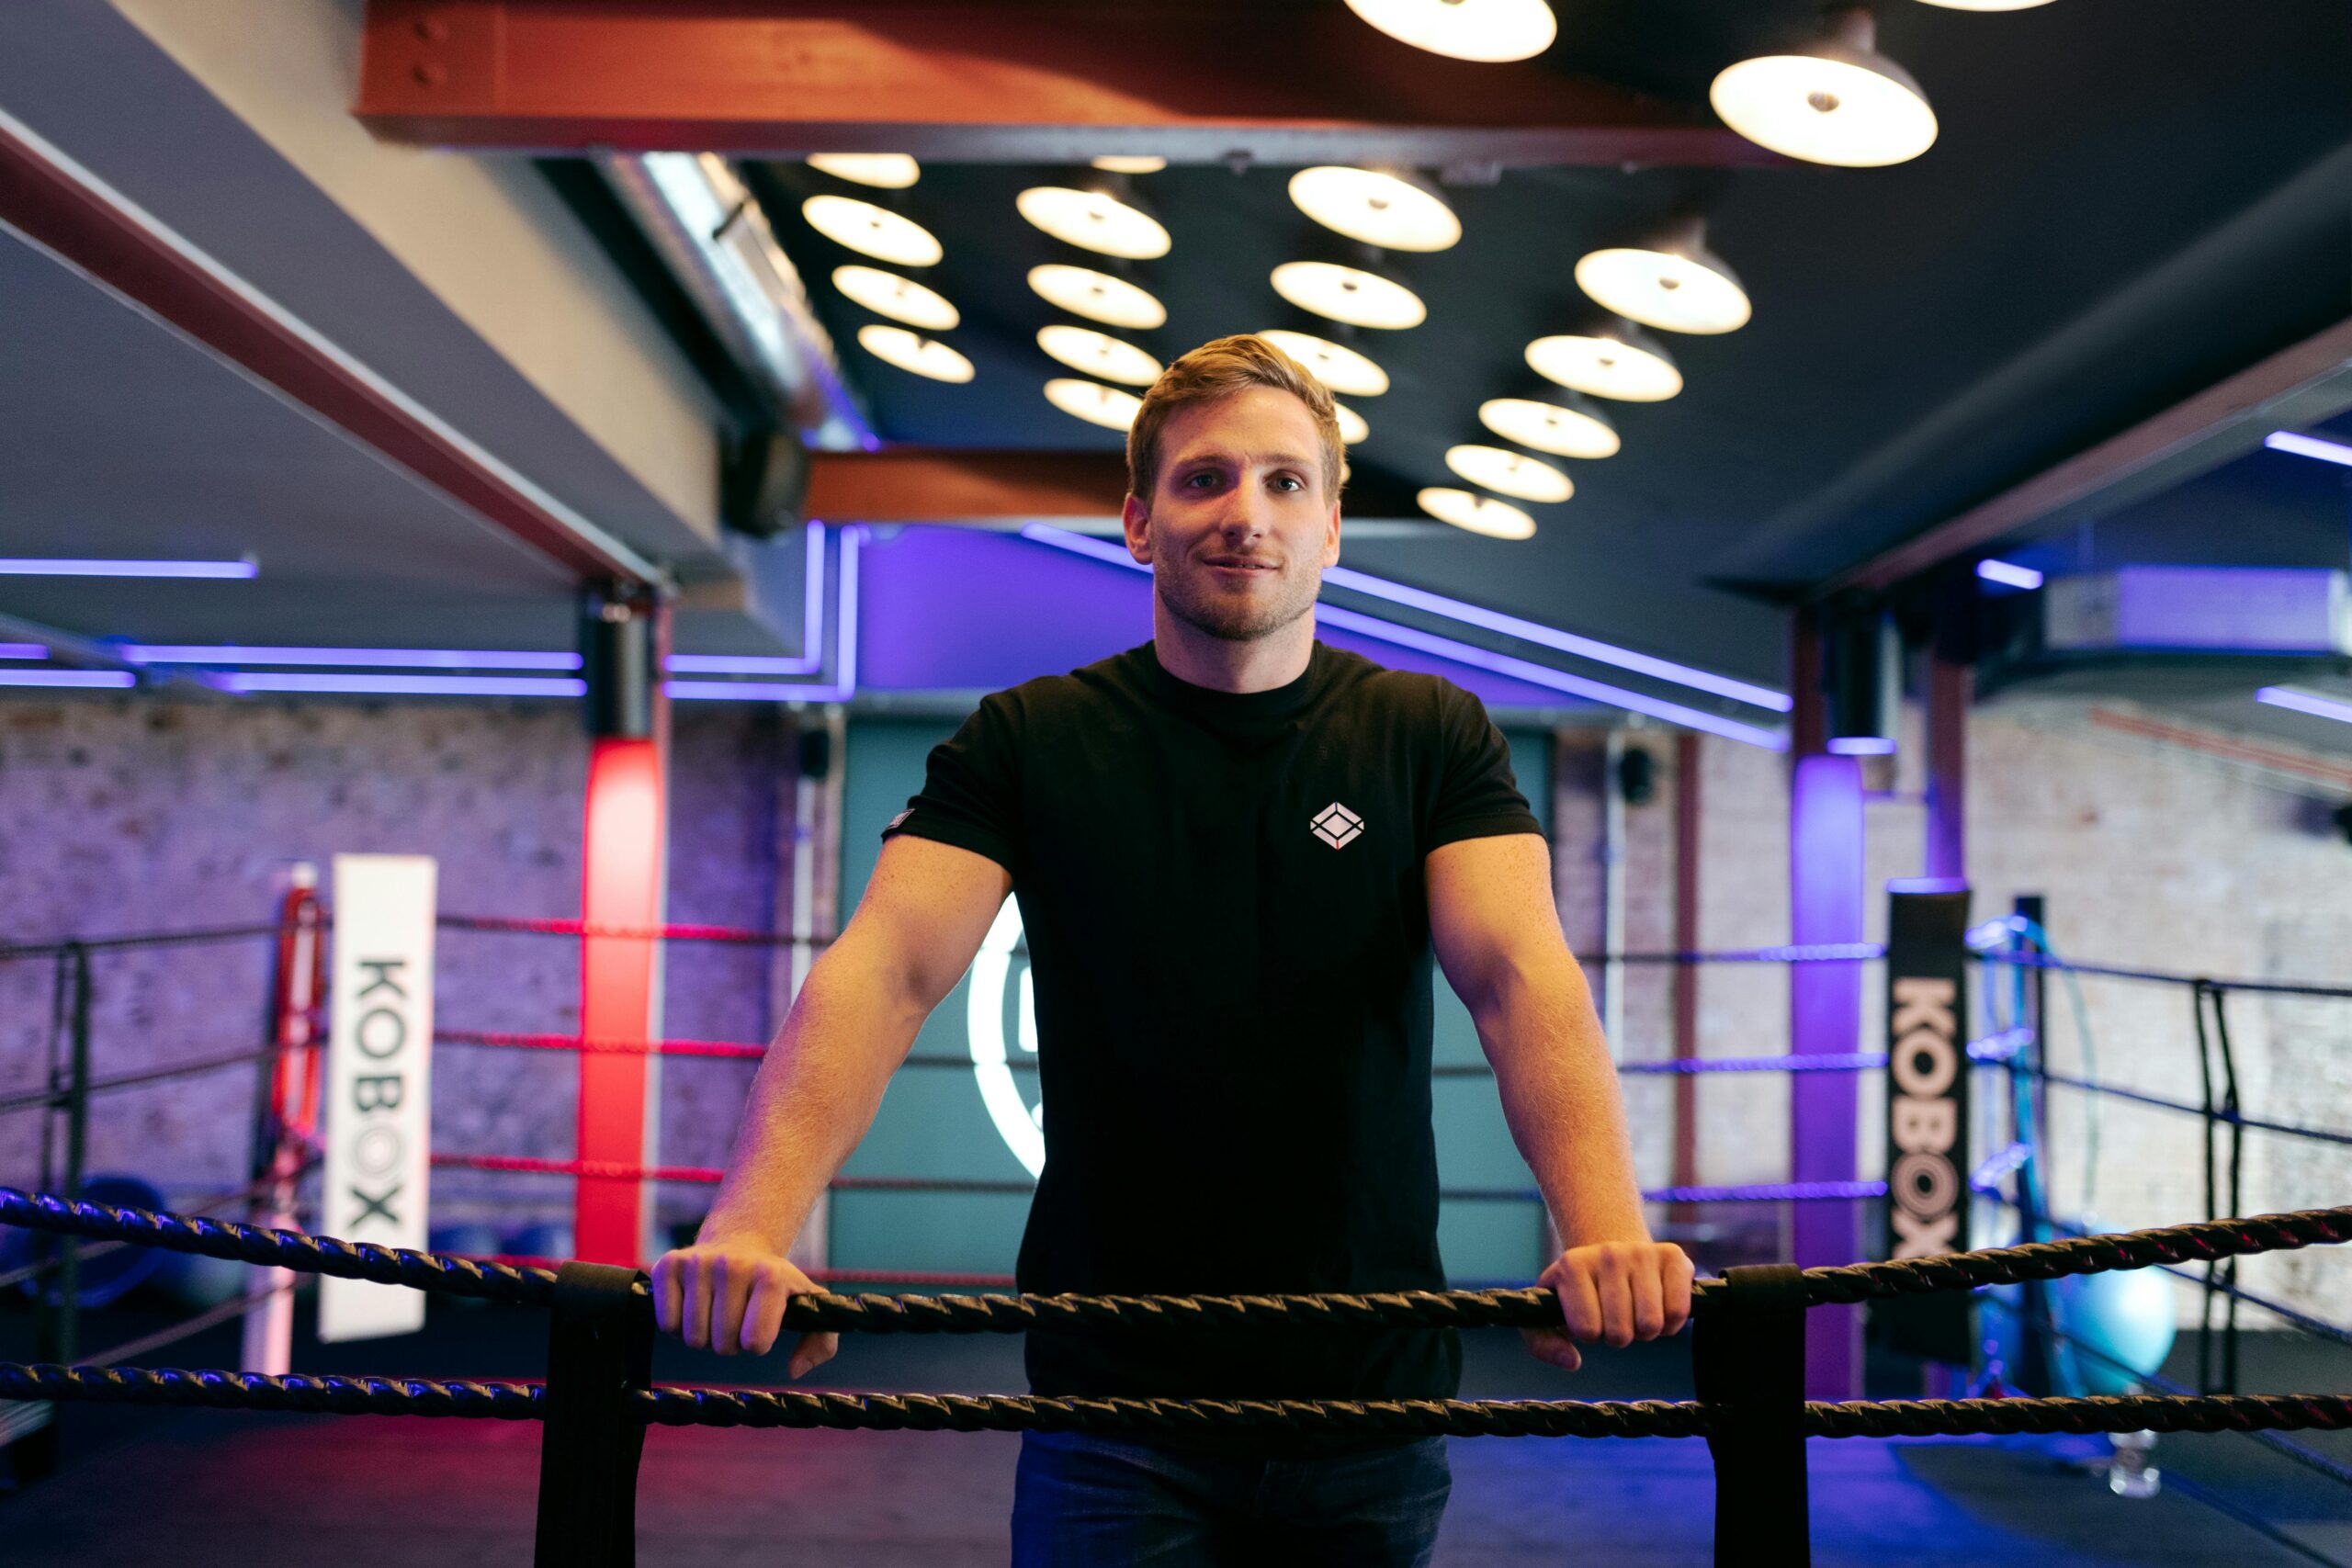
[(1200, 606)]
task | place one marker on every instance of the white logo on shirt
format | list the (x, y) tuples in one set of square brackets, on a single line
[(1336, 826)]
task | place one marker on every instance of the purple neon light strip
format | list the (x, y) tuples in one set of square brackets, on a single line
[(813, 630), (2309, 447), (1861, 745), (39, 567), (839, 690), (1552, 637), (23, 651), (404, 686), (1543, 675), (1460, 652), (116, 679), (2304, 702), (359, 657)]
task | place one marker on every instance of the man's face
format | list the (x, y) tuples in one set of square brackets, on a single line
[(1238, 528)]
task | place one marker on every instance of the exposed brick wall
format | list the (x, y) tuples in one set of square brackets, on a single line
[(128, 814), (2149, 855)]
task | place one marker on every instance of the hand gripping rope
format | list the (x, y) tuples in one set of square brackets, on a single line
[(597, 1400)]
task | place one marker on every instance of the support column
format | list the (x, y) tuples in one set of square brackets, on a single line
[(624, 639), (1951, 689), (1687, 800), (1825, 1010)]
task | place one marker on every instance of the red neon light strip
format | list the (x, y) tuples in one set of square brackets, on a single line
[(619, 998)]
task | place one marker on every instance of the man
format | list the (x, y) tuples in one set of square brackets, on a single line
[(1235, 850)]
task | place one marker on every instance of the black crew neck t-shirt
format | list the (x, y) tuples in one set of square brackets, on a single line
[(1229, 935)]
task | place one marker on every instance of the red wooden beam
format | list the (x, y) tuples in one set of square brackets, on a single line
[(1024, 81), (920, 485)]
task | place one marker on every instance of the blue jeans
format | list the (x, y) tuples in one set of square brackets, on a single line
[(1088, 1502)]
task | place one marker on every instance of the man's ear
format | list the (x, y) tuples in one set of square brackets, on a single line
[(1137, 520), (1332, 537)]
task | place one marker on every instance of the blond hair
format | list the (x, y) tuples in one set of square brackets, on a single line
[(1220, 369)]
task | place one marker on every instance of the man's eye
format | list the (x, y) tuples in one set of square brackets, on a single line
[(1201, 481), (1290, 481)]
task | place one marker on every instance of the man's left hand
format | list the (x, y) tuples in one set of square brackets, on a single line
[(1617, 1292)]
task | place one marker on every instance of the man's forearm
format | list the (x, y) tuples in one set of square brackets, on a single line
[(814, 1097), (1560, 1097)]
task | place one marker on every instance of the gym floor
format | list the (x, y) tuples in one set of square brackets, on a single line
[(200, 1488)]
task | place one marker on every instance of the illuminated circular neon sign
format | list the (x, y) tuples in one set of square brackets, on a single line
[(994, 992)]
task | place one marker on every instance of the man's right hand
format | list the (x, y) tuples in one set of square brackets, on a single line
[(730, 1296)]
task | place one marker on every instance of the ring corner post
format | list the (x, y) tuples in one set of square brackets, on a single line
[(624, 637), (1748, 1359), (600, 1354)]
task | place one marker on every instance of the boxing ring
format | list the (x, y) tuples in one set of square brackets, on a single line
[(1749, 1345)]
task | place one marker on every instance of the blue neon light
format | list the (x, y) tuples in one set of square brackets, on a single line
[(1861, 745), (2304, 702), (405, 685), (23, 651), (2008, 574), (115, 679), (2309, 447), (44, 567), (360, 658)]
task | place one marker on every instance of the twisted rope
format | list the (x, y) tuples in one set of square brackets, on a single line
[(279, 1250), (2199, 1241), (1529, 1307), (1014, 1413)]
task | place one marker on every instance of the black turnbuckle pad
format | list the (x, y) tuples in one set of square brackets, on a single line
[(1748, 1356), (600, 1353)]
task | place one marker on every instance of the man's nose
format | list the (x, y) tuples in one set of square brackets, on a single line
[(1245, 513)]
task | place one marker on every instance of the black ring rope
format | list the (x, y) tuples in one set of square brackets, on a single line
[(676, 1406), (1529, 1307)]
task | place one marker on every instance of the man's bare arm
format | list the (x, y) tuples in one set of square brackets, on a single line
[(1498, 938), (922, 917)]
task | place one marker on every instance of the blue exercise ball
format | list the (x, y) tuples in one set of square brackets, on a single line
[(2125, 1315)]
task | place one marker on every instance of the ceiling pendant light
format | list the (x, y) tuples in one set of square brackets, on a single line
[(1350, 294), (1123, 164), (871, 231), (1830, 99), (1465, 30), (1093, 402), (900, 299), (1341, 370), (1563, 430), (1098, 296), (1396, 212), (1510, 473), (1099, 353), (1352, 428), (887, 171), (1478, 513), (1094, 220), (1989, 5), (1609, 359), (914, 352), (1674, 283)]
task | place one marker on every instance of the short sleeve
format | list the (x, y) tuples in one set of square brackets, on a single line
[(1477, 796), (971, 791)]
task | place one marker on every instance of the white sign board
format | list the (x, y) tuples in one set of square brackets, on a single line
[(380, 1093)]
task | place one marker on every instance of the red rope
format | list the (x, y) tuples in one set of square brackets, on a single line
[(727, 1049)]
